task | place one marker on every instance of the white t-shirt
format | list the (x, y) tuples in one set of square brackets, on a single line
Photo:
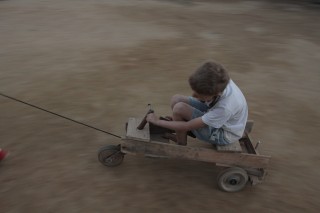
[(230, 113)]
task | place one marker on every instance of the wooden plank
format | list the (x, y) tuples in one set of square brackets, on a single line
[(258, 172), (248, 144), (136, 134), (194, 153), (233, 147), (249, 126)]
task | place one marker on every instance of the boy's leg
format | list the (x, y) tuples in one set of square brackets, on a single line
[(193, 102), (183, 108), (182, 112), (186, 108), (177, 99)]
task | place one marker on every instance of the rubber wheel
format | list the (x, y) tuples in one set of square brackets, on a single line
[(110, 155), (232, 179)]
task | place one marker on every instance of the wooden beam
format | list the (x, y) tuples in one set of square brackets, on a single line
[(249, 126), (233, 147), (194, 153), (236, 147)]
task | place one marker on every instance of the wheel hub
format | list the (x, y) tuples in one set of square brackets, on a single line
[(233, 180)]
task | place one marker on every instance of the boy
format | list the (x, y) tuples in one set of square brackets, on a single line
[(216, 113)]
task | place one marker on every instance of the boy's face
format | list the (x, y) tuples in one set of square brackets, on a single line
[(205, 98)]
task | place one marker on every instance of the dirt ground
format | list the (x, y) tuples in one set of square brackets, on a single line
[(100, 62)]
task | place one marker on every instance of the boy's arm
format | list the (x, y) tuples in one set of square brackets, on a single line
[(176, 125)]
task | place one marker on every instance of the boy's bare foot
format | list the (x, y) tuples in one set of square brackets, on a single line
[(173, 137), (170, 136)]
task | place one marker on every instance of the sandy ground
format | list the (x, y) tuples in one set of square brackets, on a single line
[(101, 62)]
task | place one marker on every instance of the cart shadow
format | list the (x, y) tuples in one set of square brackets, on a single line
[(173, 171)]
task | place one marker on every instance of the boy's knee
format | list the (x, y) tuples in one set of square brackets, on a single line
[(177, 99), (179, 108)]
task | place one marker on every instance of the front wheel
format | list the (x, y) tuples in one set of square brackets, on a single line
[(110, 155), (232, 179)]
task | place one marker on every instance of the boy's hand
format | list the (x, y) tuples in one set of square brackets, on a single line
[(152, 118)]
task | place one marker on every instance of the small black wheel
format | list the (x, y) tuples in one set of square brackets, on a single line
[(232, 179), (110, 155)]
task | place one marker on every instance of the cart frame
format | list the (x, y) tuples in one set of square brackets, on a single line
[(242, 161)]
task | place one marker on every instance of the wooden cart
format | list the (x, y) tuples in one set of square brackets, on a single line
[(243, 164)]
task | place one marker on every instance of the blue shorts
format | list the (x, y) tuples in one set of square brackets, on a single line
[(208, 133)]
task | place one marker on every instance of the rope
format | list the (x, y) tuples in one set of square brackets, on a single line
[(56, 114)]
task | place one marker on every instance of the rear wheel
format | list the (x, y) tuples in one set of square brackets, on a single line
[(110, 155), (232, 179)]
